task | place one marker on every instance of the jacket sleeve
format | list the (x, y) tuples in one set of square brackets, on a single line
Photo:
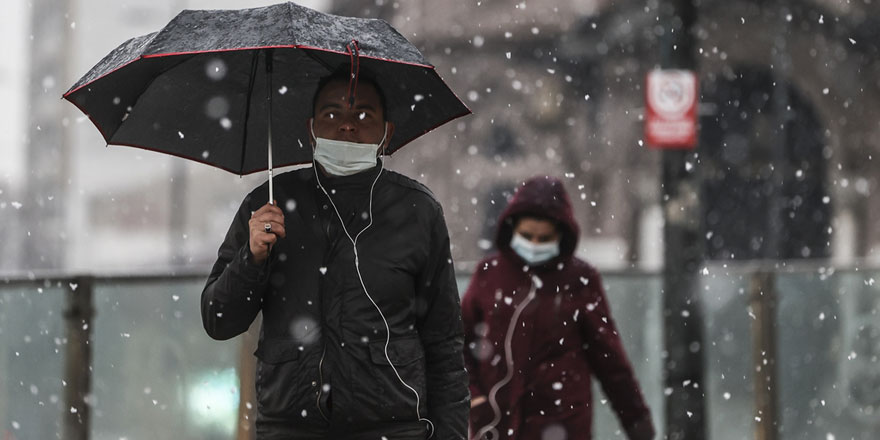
[(610, 364), (472, 315), (233, 293), (441, 331)]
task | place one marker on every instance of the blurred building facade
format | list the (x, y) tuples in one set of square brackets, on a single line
[(788, 115), (788, 121)]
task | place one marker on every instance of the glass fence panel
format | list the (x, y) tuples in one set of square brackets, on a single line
[(727, 352), (32, 338), (635, 306), (829, 355), (157, 374)]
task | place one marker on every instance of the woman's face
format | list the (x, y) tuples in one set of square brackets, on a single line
[(536, 230)]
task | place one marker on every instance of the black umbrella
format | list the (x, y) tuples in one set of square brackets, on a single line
[(216, 86)]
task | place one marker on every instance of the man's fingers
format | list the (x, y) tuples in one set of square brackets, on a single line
[(267, 217), (265, 238), (259, 226), (262, 239), (267, 208), (277, 229)]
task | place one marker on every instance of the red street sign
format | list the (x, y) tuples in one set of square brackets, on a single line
[(671, 119)]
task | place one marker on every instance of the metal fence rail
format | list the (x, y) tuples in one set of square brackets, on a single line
[(791, 352)]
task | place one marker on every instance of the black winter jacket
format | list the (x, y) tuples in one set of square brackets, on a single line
[(321, 364)]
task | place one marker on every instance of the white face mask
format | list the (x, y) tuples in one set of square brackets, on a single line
[(534, 253), (343, 158)]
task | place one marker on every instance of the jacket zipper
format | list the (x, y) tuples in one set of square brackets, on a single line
[(508, 355), (328, 247), (321, 384)]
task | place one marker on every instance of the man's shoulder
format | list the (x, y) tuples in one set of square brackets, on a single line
[(298, 176), (408, 184)]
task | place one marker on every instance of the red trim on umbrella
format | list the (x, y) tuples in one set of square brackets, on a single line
[(320, 49), (66, 95), (469, 111), (103, 135), (241, 172), (172, 54), (295, 46), (288, 46), (406, 142)]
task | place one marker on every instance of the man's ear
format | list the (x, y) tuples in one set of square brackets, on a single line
[(310, 125), (388, 133)]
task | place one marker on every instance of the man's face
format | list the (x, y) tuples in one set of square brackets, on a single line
[(363, 122)]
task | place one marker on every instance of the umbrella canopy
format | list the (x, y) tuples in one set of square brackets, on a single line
[(198, 88)]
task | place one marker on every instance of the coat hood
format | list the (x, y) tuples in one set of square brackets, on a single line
[(541, 196)]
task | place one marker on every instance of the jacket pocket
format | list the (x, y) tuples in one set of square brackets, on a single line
[(277, 351), (378, 391), (280, 383), (401, 351)]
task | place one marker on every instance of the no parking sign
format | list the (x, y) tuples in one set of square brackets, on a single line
[(671, 116)]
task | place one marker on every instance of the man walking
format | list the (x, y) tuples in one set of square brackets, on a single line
[(362, 333)]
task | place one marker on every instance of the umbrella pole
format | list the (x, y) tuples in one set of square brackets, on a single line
[(269, 99), (271, 190)]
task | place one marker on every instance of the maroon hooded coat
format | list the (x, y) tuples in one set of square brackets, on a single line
[(563, 334)]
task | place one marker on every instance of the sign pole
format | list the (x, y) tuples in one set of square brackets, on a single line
[(683, 253)]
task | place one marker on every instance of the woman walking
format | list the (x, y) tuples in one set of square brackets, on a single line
[(538, 326)]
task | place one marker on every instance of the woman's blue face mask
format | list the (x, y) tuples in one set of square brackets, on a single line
[(534, 253)]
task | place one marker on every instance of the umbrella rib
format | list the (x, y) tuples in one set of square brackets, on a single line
[(247, 111), (109, 138), (317, 59)]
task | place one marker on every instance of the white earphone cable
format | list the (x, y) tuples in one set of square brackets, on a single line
[(361, 279), (508, 358)]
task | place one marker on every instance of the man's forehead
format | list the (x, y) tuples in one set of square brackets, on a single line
[(337, 91)]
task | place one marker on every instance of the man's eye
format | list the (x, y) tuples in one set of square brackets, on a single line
[(362, 116), (331, 115)]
